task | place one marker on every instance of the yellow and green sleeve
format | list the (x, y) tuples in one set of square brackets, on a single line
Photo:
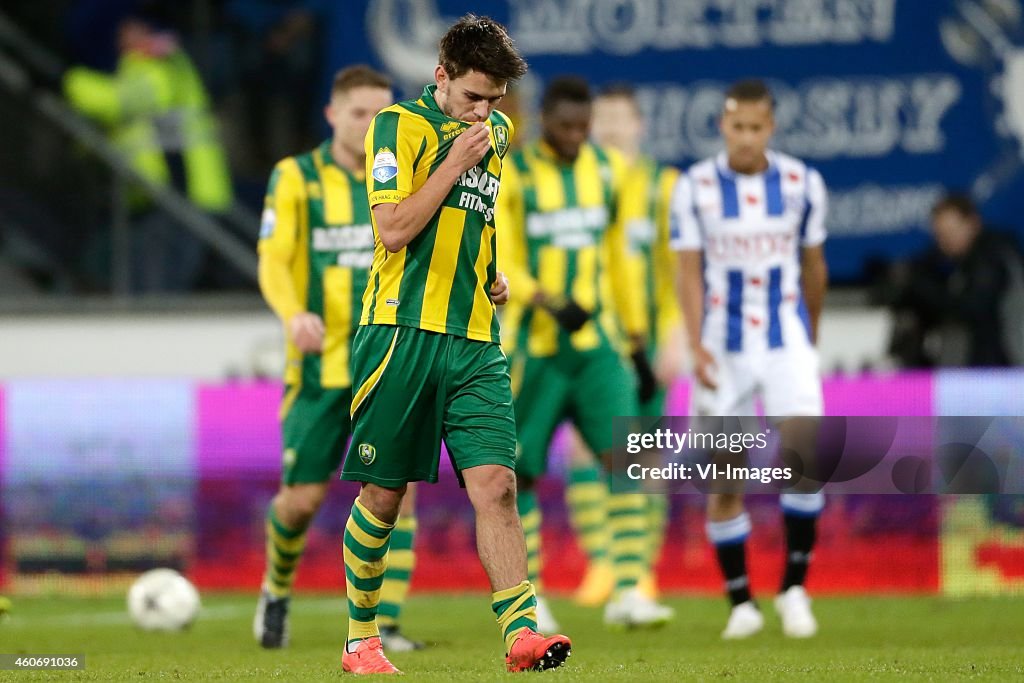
[(623, 279), (280, 238), (510, 222)]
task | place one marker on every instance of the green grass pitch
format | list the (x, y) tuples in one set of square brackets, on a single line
[(861, 639)]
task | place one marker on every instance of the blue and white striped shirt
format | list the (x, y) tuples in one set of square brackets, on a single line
[(751, 230)]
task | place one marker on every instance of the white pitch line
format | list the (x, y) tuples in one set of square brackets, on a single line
[(120, 617)]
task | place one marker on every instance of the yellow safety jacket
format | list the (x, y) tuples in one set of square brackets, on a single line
[(152, 107)]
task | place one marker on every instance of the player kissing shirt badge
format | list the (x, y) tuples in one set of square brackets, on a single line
[(367, 453), (501, 140), (385, 165)]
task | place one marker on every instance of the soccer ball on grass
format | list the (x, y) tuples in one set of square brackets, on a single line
[(162, 600)]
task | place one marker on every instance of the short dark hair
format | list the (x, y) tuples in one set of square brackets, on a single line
[(622, 90), (481, 44), (750, 90), (358, 76), (565, 89), (618, 89), (960, 202)]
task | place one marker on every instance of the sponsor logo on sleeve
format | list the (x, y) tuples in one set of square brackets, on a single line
[(385, 165), (267, 222)]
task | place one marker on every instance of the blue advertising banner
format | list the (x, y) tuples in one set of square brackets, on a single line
[(894, 101)]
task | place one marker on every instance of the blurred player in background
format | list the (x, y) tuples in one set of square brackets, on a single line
[(316, 246), (749, 224), (559, 233), (426, 358), (643, 210)]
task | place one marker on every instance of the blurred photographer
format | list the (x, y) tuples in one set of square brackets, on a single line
[(961, 303)]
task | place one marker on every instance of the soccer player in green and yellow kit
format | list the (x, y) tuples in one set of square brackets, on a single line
[(427, 360), (316, 246), (644, 207), (561, 235)]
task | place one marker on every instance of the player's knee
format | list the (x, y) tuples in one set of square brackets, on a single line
[(300, 503), (306, 504), (383, 503), (496, 490)]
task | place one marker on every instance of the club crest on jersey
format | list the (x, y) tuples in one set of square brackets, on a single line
[(367, 453), (500, 140), (385, 166)]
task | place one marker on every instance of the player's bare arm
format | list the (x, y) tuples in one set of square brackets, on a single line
[(814, 280), (398, 224), (691, 296)]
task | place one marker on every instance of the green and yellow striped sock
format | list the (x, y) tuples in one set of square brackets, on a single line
[(657, 521), (627, 515), (529, 512), (284, 549), (587, 498), (366, 559), (516, 609), (401, 560)]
